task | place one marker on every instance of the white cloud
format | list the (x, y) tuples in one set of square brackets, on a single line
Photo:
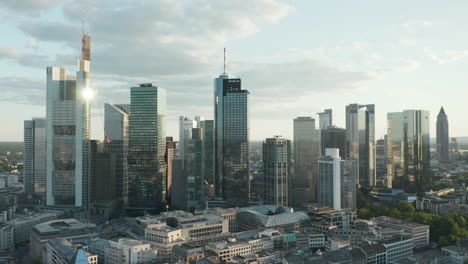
[(446, 56), (29, 7)]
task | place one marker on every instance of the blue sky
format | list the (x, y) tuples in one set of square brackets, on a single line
[(295, 57)]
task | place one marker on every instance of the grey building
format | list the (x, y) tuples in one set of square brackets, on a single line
[(306, 152), (360, 140), (333, 137), (349, 171), (442, 140), (408, 147), (147, 147), (116, 138), (232, 164), (193, 171), (277, 171), (208, 150), (329, 183), (34, 166), (381, 161), (325, 119), (68, 124)]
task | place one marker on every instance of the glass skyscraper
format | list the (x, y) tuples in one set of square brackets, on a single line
[(442, 140), (68, 131), (232, 166), (277, 171), (333, 137), (408, 148), (147, 147), (325, 119), (34, 166), (193, 170), (116, 133), (208, 151), (360, 140), (306, 154)]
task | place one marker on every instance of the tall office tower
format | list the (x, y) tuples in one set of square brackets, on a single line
[(168, 157), (277, 171), (381, 162), (360, 140), (325, 119), (333, 137), (116, 133), (94, 145), (408, 147), (193, 170), (147, 146), (330, 179), (306, 154), (454, 147), (34, 168), (102, 173), (442, 137), (178, 195), (349, 172), (185, 131), (68, 129), (208, 151), (232, 166)]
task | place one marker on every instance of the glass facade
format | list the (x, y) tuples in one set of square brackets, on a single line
[(325, 119), (329, 183), (277, 171), (193, 168), (208, 151), (442, 140), (408, 148), (306, 154), (147, 147), (116, 137), (360, 140), (333, 137), (34, 171), (232, 164)]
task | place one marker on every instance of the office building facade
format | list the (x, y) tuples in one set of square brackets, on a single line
[(147, 147), (232, 165), (329, 189), (333, 137), (360, 141), (208, 150), (34, 166), (277, 171), (442, 134), (168, 157), (325, 119)]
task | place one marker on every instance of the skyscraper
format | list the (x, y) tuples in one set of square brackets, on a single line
[(147, 147), (306, 153), (442, 139), (325, 119), (333, 137), (232, 166), (381, 161), (68, 129), (116, 133), (185, 131), (208, 151), (193, 171), (168, 157), (34, 168), (329, 190), (349, 172), (277, 171), (408, 148), (360, 140)]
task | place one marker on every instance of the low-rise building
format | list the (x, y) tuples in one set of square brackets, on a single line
[(325, 218), (228, 214), (129, 251), (335, 243), (226, 250), (456, 254), (23, 224), (420, 232), (7, 243), (184, 254), (62, 251), (271, 216), (398, 247)]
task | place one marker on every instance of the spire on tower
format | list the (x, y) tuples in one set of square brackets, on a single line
[(224, 60)]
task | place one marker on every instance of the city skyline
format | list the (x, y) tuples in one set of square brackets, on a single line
[(370, 71)]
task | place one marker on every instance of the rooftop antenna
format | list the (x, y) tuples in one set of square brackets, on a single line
[(83, 21), (224, 60)]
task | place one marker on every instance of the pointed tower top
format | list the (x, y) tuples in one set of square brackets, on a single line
[(224, 72)]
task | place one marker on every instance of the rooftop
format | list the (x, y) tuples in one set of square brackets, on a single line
[(61, 225)]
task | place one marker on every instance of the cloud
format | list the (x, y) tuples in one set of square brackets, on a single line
[(28, 6), (412, 25), (22, 57), (23, 90), (445, 57)]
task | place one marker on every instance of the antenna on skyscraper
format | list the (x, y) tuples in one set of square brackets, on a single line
[(224, 60)]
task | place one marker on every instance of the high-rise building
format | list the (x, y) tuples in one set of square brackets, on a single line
[(442, 139), (185, 131), (349, 172), (178, 195), (147, 147), (381, 161), (116, 133), (329, 190), (454, 146), (34, 166), (325, 119), (208, 151), (102, 175), (277, 171), (306, 154), (408, 147), (333, 137), (193, 171), (232, 166), (68, 130), (360, 140), (168, 157)]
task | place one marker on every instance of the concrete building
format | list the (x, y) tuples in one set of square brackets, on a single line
[(68, 123), (129, 251), (34, 165), (420, 232), (7, 241), (271, 216), (360, 140), (306, 152), (226, 250), (23, 224), (147, 147), (185, 254), (62, 251), (232, 134), (323, 218), (329, 187), (277, 171), (325, 119), (456, 254), (69, 229), (229, 214)]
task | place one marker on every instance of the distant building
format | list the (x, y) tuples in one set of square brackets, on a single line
[(7, 241), (147, 147), (127, 250), (325, 119), (330, 179), (360, 141), (62, 251), (271, 216), (193, 171), (381, 161), (408, 148), (306, 152), (34, 165), (333, 137), (208, 150), (277, 171), (169, 157), (442, 137), (454, 147), (419, 232), (185, 132), (227, 214), (22, 225), (232, 134), (186, 254)]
